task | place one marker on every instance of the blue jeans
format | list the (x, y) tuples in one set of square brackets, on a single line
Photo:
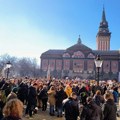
[(51, 109), (59, 110)]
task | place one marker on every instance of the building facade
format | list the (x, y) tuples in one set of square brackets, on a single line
[(78, 60)]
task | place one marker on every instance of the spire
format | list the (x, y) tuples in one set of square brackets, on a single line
[(103, 15), (79, 40), (103, 35), (103, 28)]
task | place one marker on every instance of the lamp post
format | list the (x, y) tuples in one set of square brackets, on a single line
[(98, 64), (8, 66)]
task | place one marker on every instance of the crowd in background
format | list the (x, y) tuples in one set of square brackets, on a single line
[(82, 99)]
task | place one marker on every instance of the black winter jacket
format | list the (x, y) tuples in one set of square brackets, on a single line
[(109, 110), (91, 112), (43, 94), (32, 95), (71, 109), (22, 92), (60, 96)]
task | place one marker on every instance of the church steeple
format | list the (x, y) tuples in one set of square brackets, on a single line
[(79, 40), (103, 28), (103, 35), (103, 15)]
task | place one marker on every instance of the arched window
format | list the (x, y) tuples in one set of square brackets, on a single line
[(90, 55), (78, 54), (66, 55)]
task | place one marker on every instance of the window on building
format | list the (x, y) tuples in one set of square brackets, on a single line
[(78, 54), (78, 66), (90, 55), (66, 55)]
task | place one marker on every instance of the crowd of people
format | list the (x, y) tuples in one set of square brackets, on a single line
[(82, 99)]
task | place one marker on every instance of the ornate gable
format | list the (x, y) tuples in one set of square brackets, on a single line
[(78, 54)]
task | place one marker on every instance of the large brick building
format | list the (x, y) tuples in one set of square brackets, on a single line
[(78, 60)]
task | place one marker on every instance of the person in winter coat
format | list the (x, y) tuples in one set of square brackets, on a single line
[(75, 88), (12, 95), (60, 96), (83, 94), (115, 95), (109, 108), (68, 90), (91, 111), (6, 88), (70, 105), (44, 97), (22, 92), (40, 87), (98, 98), (51, 100), (32, 99), (13, 110), (1, 106)]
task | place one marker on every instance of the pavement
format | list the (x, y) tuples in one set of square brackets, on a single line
[(44, 115)]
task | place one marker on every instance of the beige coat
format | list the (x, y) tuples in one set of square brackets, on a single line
[(51, 97)]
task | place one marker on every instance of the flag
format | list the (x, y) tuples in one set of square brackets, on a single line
[(48, 73)]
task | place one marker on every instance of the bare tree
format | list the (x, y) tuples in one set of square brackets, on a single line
[(4, 59), (27, 67), (20, 66)]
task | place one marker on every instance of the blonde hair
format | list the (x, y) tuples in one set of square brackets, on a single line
[(13, 107)]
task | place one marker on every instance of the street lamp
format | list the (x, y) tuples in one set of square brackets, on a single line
[(98, 64), (8, 66)]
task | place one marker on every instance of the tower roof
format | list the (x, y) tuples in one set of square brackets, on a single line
[(103, 28), (103, 15)]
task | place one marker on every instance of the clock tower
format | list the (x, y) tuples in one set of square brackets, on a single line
[(103, 35)]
